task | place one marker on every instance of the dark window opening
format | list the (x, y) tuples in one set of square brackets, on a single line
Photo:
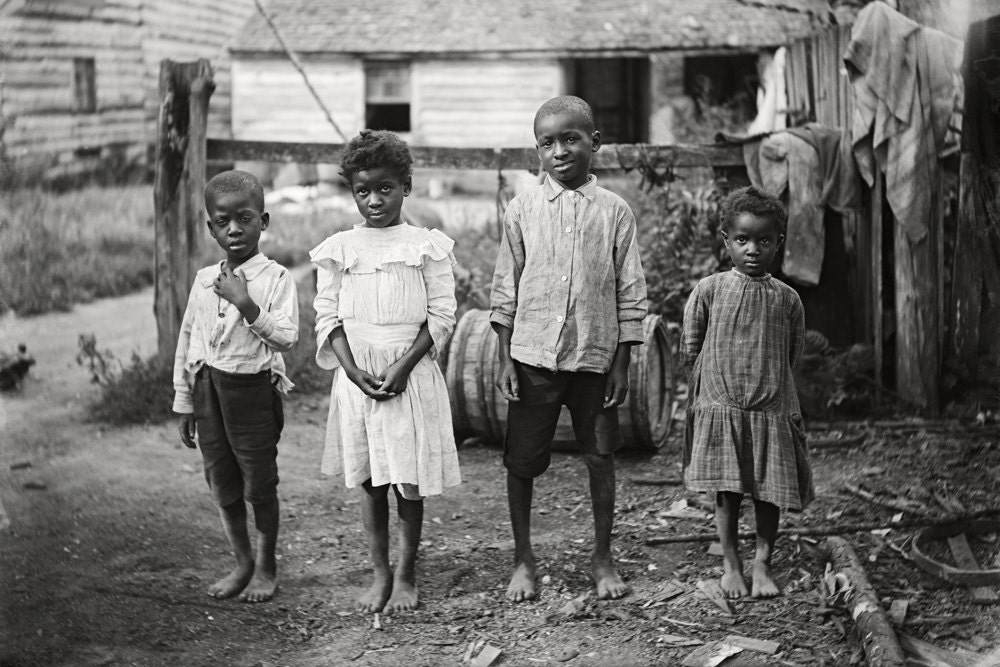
[(387, 96), (723, 81), (618, 92), (84, 85)]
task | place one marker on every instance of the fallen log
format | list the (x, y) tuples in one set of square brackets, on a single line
[(824, 531), (870, 621)]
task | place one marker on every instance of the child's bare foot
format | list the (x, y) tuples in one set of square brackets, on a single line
[(522, 583), (232, 583), (609, 584), (404, 596), (733, 584), (262, 587), (374, 598), (764, 585)]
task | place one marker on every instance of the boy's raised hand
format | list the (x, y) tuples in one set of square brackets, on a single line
[(232, 287), (188, 430), (507, 380)]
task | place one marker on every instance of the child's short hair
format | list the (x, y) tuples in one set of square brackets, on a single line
[(373, 149), (755, 202), (568, 104), (236, 181)]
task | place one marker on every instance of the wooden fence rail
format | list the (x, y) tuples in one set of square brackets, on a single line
[(610, 157)]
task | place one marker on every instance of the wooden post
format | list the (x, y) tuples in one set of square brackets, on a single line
[(185, 89), (878, 303), (918, 366)]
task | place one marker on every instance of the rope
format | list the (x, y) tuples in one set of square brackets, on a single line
[(298, 65)]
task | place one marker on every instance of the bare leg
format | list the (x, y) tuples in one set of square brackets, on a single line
[(234, 521), (764, 585), (727, 516), (404, 583), (602, 498), (375, 513), (519, 495), (264, 583)]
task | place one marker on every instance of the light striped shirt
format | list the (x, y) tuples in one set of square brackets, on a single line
[(568, 279), (214, 333)]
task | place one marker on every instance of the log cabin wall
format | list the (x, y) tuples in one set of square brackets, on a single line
[(79, 77)]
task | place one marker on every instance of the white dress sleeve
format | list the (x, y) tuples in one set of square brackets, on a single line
[(328, 258)]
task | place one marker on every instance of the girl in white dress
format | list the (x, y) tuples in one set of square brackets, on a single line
[(385, 308)]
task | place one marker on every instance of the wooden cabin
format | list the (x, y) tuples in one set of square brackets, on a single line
[(472, 73), (78, 82)]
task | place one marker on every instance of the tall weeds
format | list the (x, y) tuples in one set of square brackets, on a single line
[(57, 249)]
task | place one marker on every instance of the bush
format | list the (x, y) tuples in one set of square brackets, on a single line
[(141, 392)]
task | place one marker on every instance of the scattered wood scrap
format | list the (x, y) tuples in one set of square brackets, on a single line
[(920, 654), (713, 591), (897, 504), (710, 655), (487, 656), (872, 626), (962, 552), (657, 481), (750, 644)]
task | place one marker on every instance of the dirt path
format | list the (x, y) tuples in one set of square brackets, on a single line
[(112, 540)]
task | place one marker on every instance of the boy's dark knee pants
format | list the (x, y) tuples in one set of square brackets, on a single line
[(239, 419), (531, 422)]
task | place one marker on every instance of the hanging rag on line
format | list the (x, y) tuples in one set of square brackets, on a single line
[(905, 81)]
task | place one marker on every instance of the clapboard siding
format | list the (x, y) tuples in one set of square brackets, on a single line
[(470, 103), (271, 102), (39, 40)]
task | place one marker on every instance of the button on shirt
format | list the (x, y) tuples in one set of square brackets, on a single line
[(214, 333), (568, 279)]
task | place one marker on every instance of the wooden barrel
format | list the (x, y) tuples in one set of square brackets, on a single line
[(478, 409)]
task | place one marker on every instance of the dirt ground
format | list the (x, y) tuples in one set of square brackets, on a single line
[(108, 540)]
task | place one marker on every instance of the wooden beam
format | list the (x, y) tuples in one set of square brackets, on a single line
[(610, 157), (185, 90)]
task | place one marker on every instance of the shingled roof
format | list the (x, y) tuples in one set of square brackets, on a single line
[(504, 26)]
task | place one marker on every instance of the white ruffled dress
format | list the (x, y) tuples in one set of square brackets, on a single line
[(381, 285)]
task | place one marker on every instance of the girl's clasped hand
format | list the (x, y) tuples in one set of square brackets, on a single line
[(388, 384)]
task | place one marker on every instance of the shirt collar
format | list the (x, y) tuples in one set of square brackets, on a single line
[(553, 189), (250, 269)]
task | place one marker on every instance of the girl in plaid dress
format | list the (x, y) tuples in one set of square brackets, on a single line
[(743, 332)]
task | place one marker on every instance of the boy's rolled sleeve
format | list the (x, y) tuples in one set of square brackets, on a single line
[(439, 282), (507, 274), (278, 324), (183, 400), (630, 282), (327, 306)]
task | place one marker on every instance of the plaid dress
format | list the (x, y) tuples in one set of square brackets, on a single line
[(742, 334)]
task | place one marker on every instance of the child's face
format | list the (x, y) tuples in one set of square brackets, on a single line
[(752, 242), (565, 148), (235, 223), (379, 194)]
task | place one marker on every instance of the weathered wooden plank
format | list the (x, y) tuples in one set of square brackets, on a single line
[(967, 292), (610, 157), (177, 191)]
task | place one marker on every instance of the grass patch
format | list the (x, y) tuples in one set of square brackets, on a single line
[(57, 249)]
